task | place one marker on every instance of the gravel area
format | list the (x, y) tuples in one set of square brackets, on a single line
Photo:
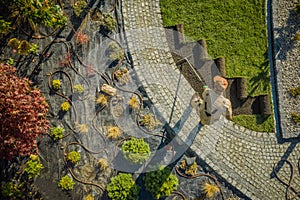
[(287, 49)]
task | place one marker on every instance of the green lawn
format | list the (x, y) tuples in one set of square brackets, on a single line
[(234, 29)]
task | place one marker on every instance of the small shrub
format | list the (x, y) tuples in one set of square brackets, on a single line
[(82, 128), (134, 102), (102, 99), (89, 197), (33, 166), (33, 48), (161, 183), (149, 121), (79, 88), (122, 75), (74, 157), (23, 47), (103, 164), (295, 91), (66, 183), (189, 170), (295, 117), (123, 187), (57, 133), (11, 190), (115, 52), (210, 190), (14, 43), (108, 22), (114, 132), (136, 150), (79, 7), (82, 38), (56, 84), (4, 27), (65, 106)]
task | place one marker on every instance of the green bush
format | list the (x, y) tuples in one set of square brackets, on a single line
[(79, 6), (11, 190), (296, 117), (33, 166), (295, 91), (57, 133), (136, 150), (65, 106), (66, 183), (56, 84), (108, 22), (74, 157), (79, 88), (123, 187), (161, 183)]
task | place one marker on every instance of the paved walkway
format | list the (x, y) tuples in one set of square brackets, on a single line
[(242, 157)]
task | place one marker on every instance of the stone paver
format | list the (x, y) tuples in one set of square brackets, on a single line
[(242, 157)]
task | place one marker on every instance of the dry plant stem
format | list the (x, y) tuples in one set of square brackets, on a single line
[(199, 175)]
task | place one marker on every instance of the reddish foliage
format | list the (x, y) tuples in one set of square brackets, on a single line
[(66, 61), (22, 114), (82, 38)]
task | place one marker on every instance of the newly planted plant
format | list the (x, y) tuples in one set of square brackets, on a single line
[(11, 190), (161, 183), (65, 106), (122, 75), (134, 102), (149, 121), (66, 183), (114, 132), (79, 88), (4, 27), (103, 164), (57, 133), (82, 38), (210, 190), (123, 187), (56, 84), (189, 170), (23, 47), (73, 157), (136, 150), (79, 7), (102, 99), (22, 114), (82, 128), (108, 22), (33, 166)]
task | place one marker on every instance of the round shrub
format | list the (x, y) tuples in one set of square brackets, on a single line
[(161, 183), (74, 157), (57, 133), (65, 106), (22, 114), (136, 150), (56, 84), (123, 187), (66, 183)]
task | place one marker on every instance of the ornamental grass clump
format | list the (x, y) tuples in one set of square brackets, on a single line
[(66, 183), (103, 164), (33, 166), (149, 121), (114, 132), (73, 157), (57, 133), (136, 150), (134, 102), (161, 183), (102, 99), (22, 114), (210, 190), (123, 187)]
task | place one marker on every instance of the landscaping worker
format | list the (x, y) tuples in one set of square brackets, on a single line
[(213, 104)]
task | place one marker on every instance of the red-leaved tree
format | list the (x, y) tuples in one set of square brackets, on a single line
[(22, 114)]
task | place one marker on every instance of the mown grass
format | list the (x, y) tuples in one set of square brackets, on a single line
[(234, 29), (256, 122)]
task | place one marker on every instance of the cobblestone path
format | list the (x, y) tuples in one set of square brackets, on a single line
[(243, 158)]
